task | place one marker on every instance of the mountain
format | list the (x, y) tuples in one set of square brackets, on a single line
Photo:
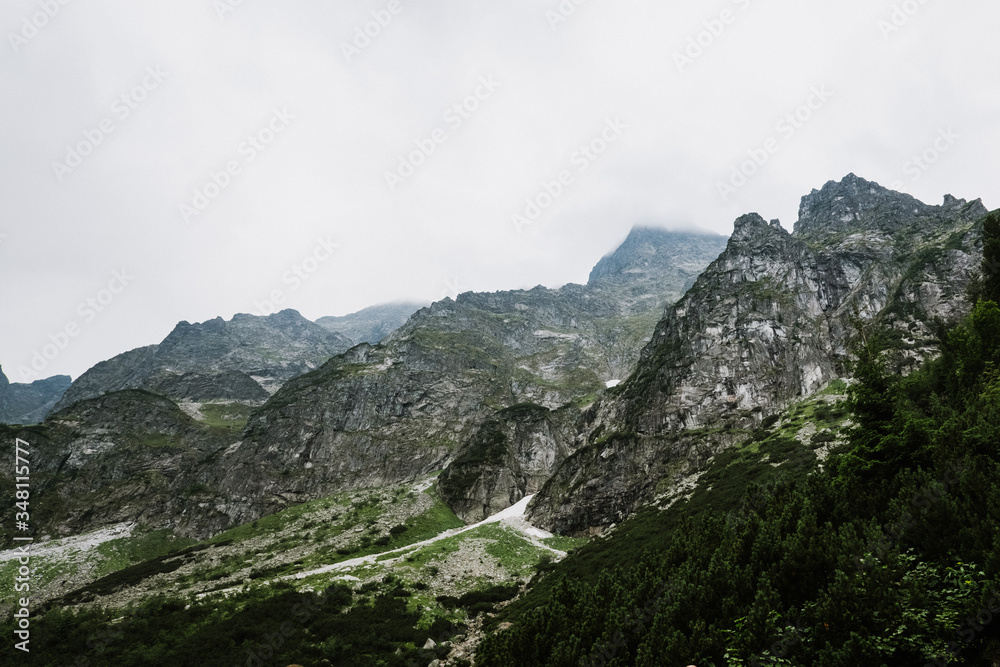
[(123, 456), (22, 403), (244, 359), (739, 498), (378, 414), (651, 260), (406, 407), (372, 324), (506, 392), (767, 323), (510, 456)]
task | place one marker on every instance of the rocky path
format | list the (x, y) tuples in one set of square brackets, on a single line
[(512, 517)]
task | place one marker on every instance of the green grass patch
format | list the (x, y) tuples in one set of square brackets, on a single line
[(232, 416), (125, 551), (562, 543), (273, 523)]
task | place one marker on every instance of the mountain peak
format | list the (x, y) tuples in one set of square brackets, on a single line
[(851, 203), (854, 204), (648, 252), (750, 225)]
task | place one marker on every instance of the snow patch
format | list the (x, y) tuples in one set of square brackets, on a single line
[(55, 549)]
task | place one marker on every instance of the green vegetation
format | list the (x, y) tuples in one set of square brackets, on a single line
[(562, 543), (320, 521), (476, 602), (267, 625), (887, 557), (230, 416), (991, 257), (125, 551)]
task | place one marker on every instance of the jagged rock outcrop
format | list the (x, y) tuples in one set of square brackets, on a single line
[(217, 359), (372, 324), (22, 403), (767, 323), (511, 455), (126, 456)]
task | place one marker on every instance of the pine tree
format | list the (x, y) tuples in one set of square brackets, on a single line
[(991, 257)]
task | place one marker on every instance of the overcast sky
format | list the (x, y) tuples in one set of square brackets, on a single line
[(203, 150)]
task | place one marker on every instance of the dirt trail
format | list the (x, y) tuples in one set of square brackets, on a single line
[(512, 517)]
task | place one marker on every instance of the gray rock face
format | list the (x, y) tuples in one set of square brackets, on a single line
[(216, 359), (29, 403), (388, 413), (511, 455), (126, 456), (372, 324), (767, 323), (652, 260), (199, 387)]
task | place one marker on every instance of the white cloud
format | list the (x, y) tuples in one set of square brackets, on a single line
[(451, 220)]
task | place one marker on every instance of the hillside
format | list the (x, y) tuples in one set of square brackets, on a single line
[(244, 359), (23, 403), (798, 467)]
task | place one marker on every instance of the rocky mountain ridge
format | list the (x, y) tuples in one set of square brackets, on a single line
[(506, 392), (769, 322), (389, 413), (370, 325), (22, 403), (245, 359), (392, 412)]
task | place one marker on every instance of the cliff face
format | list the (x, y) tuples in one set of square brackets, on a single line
[(126, 456), (511, 455), (767, 323), (386, 413), (245, 359), (22, 403)]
